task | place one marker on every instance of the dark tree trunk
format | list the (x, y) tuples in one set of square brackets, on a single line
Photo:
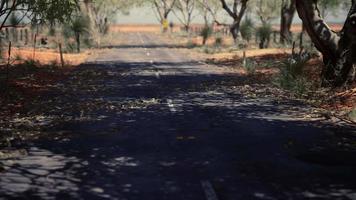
[(26, 36), (77, 38), (287, 15), (234, 30), (236, 15), (338, 49)]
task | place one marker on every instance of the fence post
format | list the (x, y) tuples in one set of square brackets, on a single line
[(26, 36), (34, 46), (8, 65), (61, 54)]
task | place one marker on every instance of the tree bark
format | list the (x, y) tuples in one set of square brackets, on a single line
[(236, 15), (287, 15), (77, 37), (338, 49)]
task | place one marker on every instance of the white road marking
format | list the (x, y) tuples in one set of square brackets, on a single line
[(148, 54), (171, 105), (209, 190)]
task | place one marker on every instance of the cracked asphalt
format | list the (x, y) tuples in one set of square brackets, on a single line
[(143, 121)]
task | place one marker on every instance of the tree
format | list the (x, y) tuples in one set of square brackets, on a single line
[(36, 11), (328, 5), (338, 49), (78, 26), (209, 10), (236, 11), (287, 14), (266, 12), (101, 12), (163, 9), (183, 10)]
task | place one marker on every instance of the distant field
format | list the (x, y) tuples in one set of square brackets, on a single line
[(157, 27)]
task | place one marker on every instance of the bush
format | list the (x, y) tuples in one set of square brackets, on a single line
[(191, 44), (30, 65), (206, 32), (249, 66), (247, 29), (52, 31), (291, 73), (218, 41), (264, 33), (77, 28)]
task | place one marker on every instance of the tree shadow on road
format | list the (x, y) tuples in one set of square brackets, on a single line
[(128, 135)]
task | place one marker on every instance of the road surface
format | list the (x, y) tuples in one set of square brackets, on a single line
[(144, 121)]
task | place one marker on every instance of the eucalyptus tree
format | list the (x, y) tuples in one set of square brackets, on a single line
[(266, 11), (288, 11), (236, 10), (338, 48), (209, 10), (37, 11), (184, 11), (102, 12), (162, 10), (327, 6)]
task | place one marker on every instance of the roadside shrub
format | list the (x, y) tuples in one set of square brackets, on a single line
[(78, 29), (352, 115), (18, 57), (70, 46), (218, 41), (206, 32), (30, 65), (264, 33), (191, 44), (52, 31), (291, 75), (208, 50), (249, 66), (247, 29)]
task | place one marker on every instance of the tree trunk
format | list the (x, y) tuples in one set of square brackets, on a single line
[(287, 15), (235, 15), (77, 37), (338, 49)]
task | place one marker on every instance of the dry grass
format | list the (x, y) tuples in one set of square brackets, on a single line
[(48, 56)]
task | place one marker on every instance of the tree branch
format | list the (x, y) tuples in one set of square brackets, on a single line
[(325, 40)]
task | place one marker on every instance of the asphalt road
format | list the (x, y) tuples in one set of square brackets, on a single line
[(143, 121)]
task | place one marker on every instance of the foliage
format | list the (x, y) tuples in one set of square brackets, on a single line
[(78, 27), (206, 32), (36, 11), (247, 28), (183, 10), (191, 44), (209, 10), (352, 115), (267, 10), (14, 20), (30, 65), (52, 31), (218, 41), (327, 6), (264, 34), (291, 73), (103, 12), (249, 66)]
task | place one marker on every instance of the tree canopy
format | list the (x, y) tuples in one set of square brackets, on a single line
[(37, 11)]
